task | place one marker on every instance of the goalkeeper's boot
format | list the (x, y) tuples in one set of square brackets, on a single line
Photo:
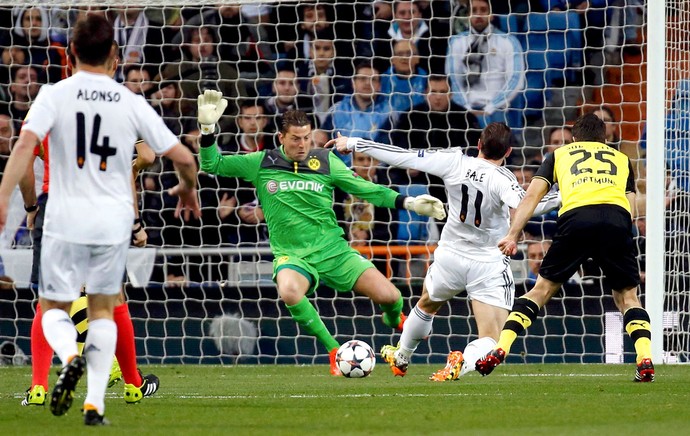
[(397, 362), (645, 371), (335, 371), (35, 396), (150, 386), (452, 370), (487, 363), (91, 416), (397, 327), (63, 392), (115, 374), (403, 318)]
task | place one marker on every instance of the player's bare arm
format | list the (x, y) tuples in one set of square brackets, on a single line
[(536, 191), (185, 166), (632, 199), (18, 165), (145, 157), (27, 186)]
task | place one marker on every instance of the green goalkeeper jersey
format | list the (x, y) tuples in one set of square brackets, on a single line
[(297, 197)]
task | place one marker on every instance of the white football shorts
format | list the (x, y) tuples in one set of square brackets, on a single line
[(66, 266), (489, 282)]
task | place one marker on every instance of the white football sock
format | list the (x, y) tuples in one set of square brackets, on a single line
[(99, 351), (475, 350), (60, 333), (417, 327)]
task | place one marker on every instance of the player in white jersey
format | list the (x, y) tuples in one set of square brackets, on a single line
[(480, 194), (92, 123)]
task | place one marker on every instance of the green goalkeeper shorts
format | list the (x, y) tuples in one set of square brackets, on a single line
[(339, 267)]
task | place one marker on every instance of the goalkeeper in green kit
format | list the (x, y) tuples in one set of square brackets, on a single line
[(294, 184)]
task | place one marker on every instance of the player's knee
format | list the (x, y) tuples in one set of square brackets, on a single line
[(291, 292)]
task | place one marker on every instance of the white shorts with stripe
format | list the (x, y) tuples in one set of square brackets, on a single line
[(66, 266), (489, 282)]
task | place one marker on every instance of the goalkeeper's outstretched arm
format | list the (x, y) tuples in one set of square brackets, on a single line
[(380, 195)]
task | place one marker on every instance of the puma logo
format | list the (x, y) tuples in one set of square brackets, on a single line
[(522, 317), (643, 324)]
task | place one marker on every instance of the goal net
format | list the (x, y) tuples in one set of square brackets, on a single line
[(202, 290)]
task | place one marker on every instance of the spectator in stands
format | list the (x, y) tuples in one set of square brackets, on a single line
[(312, 17), (524, 174), (140, 42), (316, 16), (28, 43), (460, 16), (23, 90), (408, 23), (6, 140), (248, 227), (364, 223), (612, 129), (678, 139), (137, 79), (623, 34), (486, 68), (437, 122), (252, 122), (226, 22), (259, 47), (177, 114), (557, 137), (405, 82), (594, 13), (286, 95), (201, 68), (321, 77), (366, 113), (677, 151), (536, 250)]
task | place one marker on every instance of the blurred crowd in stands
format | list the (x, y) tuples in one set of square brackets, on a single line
[(416, 74)]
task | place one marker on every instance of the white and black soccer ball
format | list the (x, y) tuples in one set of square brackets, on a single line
[(355, 359)]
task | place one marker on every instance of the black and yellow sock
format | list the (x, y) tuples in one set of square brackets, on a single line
[(524, 312), (636, 322), (306, 316), (391, 313)]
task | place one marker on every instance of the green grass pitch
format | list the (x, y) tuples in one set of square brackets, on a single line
[(293, 400)]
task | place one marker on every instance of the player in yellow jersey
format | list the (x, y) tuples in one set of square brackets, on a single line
[(597, 189), (81, 323)]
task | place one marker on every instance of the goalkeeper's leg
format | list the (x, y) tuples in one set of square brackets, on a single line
[(293, 286), (381, 291)]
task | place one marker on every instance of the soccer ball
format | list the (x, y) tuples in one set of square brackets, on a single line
[(355, 359)]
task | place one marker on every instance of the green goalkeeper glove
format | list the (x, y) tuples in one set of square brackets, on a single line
[(211, 106), (425, 205)]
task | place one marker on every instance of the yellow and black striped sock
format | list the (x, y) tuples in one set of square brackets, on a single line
[(524, 312), (636, 322)]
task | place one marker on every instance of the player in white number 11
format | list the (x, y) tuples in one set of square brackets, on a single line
[(480, 193)]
